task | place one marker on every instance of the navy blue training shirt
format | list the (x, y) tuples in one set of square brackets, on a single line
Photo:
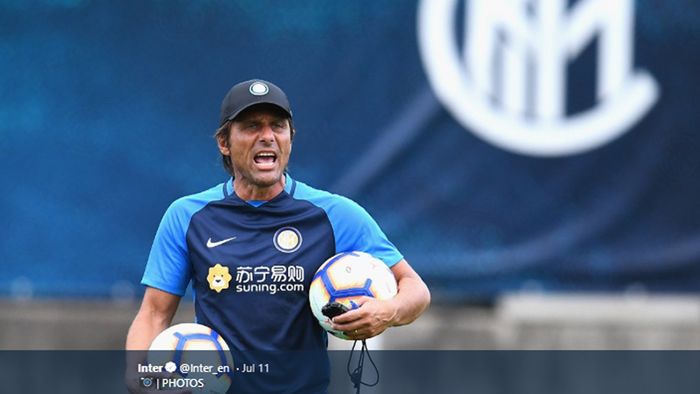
[(251, 265)]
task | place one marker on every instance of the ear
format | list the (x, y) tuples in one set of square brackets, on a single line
[(223, 145)]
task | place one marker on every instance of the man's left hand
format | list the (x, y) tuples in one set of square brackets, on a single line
[(372, 318)]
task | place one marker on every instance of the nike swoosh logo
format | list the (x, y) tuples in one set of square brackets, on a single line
[(217, 243)]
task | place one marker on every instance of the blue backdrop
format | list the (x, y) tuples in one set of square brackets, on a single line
[(107, 111)]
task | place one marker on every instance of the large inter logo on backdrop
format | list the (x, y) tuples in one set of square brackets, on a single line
[(506, 81)]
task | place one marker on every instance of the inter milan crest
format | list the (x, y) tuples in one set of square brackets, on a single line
[(505, 79), (258, 88), (287, 239)]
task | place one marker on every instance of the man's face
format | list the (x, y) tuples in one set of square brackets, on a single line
[(259, 145)]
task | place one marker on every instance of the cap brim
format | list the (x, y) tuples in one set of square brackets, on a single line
[(249, 105)]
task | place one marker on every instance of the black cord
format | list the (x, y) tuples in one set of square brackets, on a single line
[(356, 374)]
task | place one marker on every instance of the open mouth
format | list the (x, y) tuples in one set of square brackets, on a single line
[(265, 158)]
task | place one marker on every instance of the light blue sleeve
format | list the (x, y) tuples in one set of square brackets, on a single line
[(168, 267), (355, 229)]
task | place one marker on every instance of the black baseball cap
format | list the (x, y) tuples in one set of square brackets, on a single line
[(246, 94)]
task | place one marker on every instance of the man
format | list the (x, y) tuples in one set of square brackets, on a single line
[(251, 246)]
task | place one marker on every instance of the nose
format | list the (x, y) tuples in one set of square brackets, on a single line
[(266, 134)]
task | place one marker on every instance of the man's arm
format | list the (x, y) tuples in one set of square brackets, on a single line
[(375, 316), (154, 316)]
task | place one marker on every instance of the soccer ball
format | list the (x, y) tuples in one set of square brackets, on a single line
[(194, 345), (346, 277)]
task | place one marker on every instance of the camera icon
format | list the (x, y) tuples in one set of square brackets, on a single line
[(146, 382)]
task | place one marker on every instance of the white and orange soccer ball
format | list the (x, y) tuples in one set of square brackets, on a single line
[(194, 344), (346, 277)]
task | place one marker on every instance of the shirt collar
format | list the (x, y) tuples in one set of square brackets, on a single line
[(287, 184)]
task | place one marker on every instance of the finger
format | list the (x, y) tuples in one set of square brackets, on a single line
[(349, 316), (361, 300), (353, 313), (355, 335), (349, 327), (362, 334)]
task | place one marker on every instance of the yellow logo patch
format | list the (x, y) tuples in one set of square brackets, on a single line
[(218, 278)]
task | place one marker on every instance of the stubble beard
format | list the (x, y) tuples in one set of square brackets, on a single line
[(258, 181)]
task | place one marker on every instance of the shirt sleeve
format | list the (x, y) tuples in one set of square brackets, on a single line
[(168, 267), (355, 229)]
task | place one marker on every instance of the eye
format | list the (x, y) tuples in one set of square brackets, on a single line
[(280, 124)]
